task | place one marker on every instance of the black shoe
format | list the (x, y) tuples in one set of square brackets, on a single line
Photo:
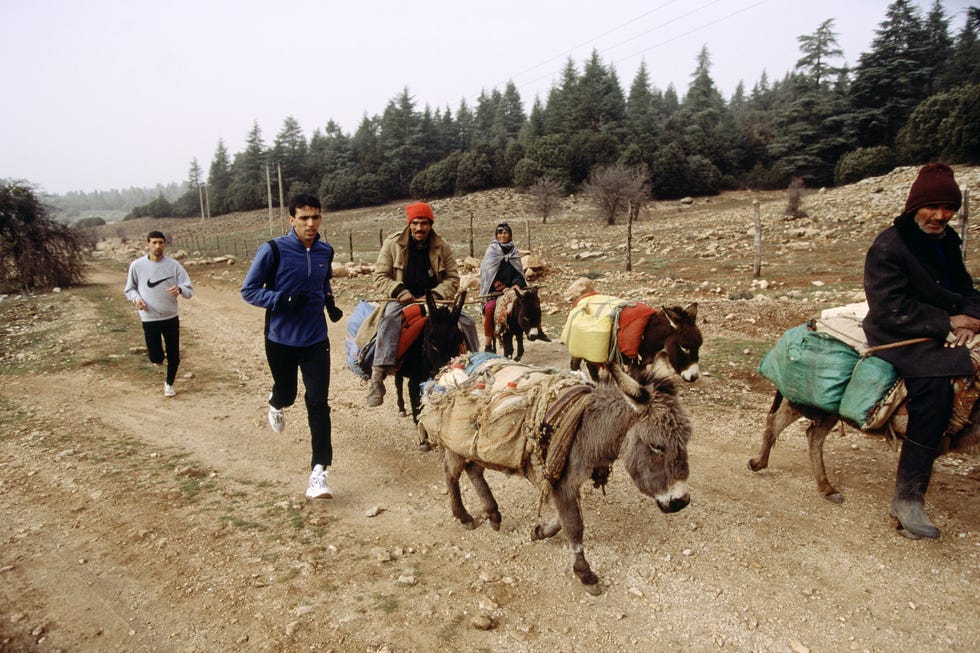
[(376, 396), (913, 521)]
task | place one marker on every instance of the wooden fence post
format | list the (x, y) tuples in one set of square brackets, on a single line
[(964, 220)]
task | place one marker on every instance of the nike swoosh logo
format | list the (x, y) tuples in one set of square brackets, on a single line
[(154, 284)]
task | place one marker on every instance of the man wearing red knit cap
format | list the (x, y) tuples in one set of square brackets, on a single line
[(409, 263), (917, 286)]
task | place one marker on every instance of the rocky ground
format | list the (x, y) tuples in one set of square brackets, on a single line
[(132, 522)]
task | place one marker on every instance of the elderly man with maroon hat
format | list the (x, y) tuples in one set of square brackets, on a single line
[(917, 286), (409, 263)]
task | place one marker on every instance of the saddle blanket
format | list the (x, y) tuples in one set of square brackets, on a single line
[(506, 415)]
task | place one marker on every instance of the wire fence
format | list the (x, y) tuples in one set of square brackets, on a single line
[(238, 246), (244, 247)]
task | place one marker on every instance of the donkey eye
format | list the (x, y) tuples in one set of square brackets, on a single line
[(657, 451), (686, 350)]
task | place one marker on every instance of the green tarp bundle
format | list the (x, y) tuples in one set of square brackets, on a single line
[(816, 369), (810, 368)]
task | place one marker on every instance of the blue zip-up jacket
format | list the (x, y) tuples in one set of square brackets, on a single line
[(300, 270)]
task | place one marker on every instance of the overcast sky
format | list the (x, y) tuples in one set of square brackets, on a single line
[(106, 94)]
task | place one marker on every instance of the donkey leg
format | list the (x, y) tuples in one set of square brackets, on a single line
[(781, 415), (570, 515), (400, 393), (816, 434), (415, 398), (475, 472), (520, 347), (508, 343), (453, 464)]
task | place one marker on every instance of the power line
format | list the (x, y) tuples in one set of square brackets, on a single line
[(696, 29), (652, 29), (565, 53)]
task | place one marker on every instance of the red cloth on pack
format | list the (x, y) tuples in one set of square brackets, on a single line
[(413, 321), (633, 321)]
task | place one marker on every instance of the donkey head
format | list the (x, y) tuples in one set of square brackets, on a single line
[(680, 338), (528, 309), (443, 337), (656, 439)]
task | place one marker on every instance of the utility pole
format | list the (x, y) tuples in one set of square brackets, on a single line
[(268, 188), (964, 220), (282, 220), (200, 199)]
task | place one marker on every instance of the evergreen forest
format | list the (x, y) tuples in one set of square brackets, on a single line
[(913, 98)]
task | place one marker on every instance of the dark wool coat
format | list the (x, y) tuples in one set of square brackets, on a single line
[(913, 284)]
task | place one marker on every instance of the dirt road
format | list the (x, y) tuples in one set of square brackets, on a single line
[(136, 523)]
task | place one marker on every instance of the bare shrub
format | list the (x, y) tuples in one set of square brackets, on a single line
[(35, 251), (794, 199), (612, 188), (545, 197)]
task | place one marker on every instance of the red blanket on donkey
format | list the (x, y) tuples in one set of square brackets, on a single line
[(413, 321), (632, 323)]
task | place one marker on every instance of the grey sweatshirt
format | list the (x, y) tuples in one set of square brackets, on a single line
[(150, 280)]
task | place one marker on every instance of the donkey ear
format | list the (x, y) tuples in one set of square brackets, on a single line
[(458, 306), (671, 316), (521, 291), (692, 310), (430, 302)]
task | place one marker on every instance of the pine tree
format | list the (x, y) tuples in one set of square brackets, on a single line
[(642, 122), (893, 78), (701, 126), (400, 144), (937, 56), (219, 181), (561, 109), (194, 175), (964, 65), (290, 152), (809, 133), (248, 171)]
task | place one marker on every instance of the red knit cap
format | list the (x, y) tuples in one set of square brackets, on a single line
[(419, 210), (934, 185)]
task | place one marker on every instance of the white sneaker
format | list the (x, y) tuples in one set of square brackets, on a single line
[(168, 390), (318, 484), (276, 419)]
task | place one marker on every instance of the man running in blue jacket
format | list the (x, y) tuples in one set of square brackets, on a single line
[(290, 278)]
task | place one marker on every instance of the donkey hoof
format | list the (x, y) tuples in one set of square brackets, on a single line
[(835, 497), (755, 465), (424, 446), (595, 589), (468, 525), (494, 521), (537, 533)]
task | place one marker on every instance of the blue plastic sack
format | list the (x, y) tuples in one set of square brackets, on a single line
[(351, 351)]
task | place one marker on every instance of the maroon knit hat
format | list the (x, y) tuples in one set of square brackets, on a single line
[(419, 210), (934, 185)]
